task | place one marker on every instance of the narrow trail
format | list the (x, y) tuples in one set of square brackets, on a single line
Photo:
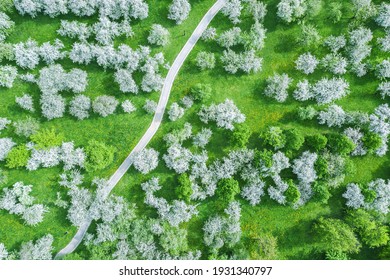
[(157, 119)]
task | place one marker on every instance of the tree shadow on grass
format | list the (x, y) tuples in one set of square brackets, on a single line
[(286, 44)]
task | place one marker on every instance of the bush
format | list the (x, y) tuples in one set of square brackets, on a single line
[(340, 144), (294, 139), (99, 155), (184, 190), (47, 138), (333, 234), (317, 142), (274, 137), (227, 190), (18, 157), (240, 135), (292, 193)]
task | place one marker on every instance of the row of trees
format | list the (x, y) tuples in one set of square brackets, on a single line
[(128, 9)]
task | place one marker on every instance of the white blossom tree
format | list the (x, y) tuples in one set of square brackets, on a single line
[(333, 116), (253, 191), (6, 144), (27, 54), (335, 43), (306, 63), (202, 138), (326, 91), (209, 34), (4, 122), (49, 53), (335, 64), (105, 105), (150, 106), (303, 91), (25, 102), (178, 158), (30, 7), (41, 250), (385, 42), (383, 69), (179, 10), (83, 8), (145, 160), (225, 114), (81, 53), (80, 106), (8, 75), (383, 18), (126, 82), (158, 35), (303, 167), (52, 106), (26, 127), (3, 252), (128, 107), (354, 196), (230, 38), (232, 9), (291, 10), (277, 86), (175, 112), (258, 9), (205, 60), (384, 89), (75, 30), (6, 26)]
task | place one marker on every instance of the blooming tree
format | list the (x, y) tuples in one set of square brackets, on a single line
[(145, 160)]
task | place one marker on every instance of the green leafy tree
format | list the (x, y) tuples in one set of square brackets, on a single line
[(335, 11), (263, 157), (316, 142), (294, 139), (47, 138), (274, 137), (371, 141), (292, 193), (370, 232), (334, 234), (184, 190), (226, 191), (174, 240), (309, 37), (321, 167), (99, 155), (340, 144), (240, 135), (321, 193), (6, 5), (335, 255), (18, 157), (369, 195), (201, 92)]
